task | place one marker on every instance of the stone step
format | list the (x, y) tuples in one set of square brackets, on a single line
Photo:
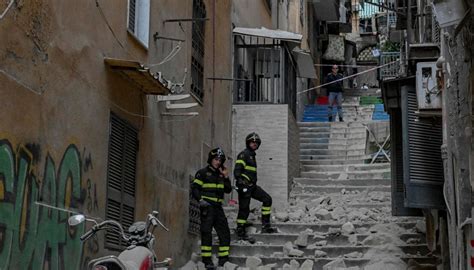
[(333, 157), (332, 146), (332, 239), (332, 251), (335, 129), (348, 175), (331, 131), (332, 124), (333, 162), (341, 183), (321, 152), (320, 262), (298, 191), (324, 226), (346, 168), (328, 140)]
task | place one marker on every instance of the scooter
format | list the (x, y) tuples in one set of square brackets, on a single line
[(139, 254)]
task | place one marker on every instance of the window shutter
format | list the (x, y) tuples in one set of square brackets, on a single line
[(121, 170), (398, 188), (422, 163)]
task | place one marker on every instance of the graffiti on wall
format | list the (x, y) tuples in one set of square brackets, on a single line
[(33, 236)]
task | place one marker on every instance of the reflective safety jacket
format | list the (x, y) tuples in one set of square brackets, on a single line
[(210, 185), (245, 170)]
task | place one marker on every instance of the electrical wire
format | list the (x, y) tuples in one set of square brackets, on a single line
[(347, 77), (23, 84), (170, 56), (6, 9)]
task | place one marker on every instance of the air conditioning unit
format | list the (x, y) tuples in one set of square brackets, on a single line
[(449, 12), (427, 91)]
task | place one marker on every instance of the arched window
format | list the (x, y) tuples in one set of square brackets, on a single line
[(197, 57)]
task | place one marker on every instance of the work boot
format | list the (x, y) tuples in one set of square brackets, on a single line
[(208, 264), (223, 260), (242, 234), (267, 228), (248, 224), (340, 119)]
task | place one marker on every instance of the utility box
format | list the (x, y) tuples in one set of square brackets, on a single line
[(427, 91)]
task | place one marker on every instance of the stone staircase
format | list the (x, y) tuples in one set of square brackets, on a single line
[(359, 105), (339, 212)]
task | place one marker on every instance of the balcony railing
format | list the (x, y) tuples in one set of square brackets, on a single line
[(392, 62)]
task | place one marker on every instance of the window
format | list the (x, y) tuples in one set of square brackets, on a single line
[(269, 5), (139, 19), (197, 58), (121, 169)]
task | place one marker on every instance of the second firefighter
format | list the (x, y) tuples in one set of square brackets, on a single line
[(245, 172)]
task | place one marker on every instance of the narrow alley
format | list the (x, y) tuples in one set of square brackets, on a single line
[(339, 212), (236, 134)]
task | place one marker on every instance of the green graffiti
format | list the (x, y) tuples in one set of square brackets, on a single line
[(36, 237)]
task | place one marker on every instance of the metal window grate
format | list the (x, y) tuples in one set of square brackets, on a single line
[(121, 170), (132, 4), (197, 57), (194, 213)]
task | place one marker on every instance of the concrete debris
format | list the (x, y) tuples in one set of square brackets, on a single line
[(282, 216), (253, 262), (323, 214), (296, 253), (307, 265), (251, 230), (321, 243), (413, 265), (333, 230), (287, 248), (320, 254), (302, 240), (354, 255), (348, 228), (335, 265), (189, 266), (384, 251), (321, 200), (278, 255), (353, 239), (286, 267), (294, 264), (382, 238), (391, 228), (421, 226), (230, 266), (412, 241), (201, 266), (390, 263), (297, 215)]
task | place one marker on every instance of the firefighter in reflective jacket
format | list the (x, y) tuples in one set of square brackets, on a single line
[(208, 187), (245, 172)]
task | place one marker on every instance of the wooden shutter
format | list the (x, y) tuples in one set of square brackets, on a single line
[(121, 171)]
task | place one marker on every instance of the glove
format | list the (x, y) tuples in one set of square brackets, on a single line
[(242, 186), (203, 203)]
